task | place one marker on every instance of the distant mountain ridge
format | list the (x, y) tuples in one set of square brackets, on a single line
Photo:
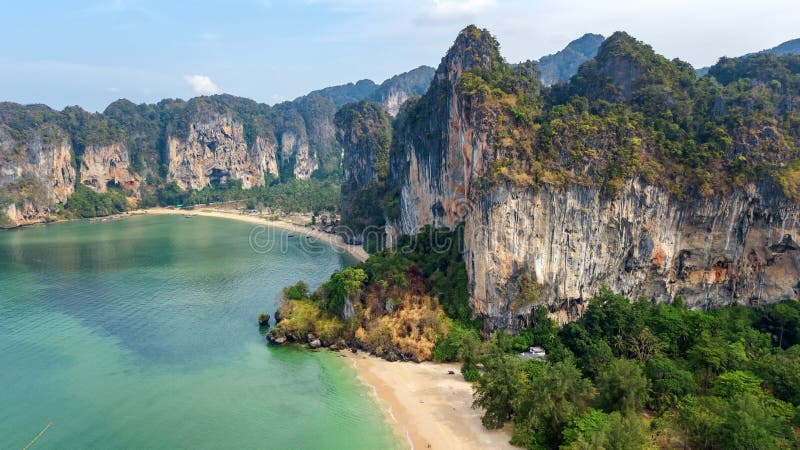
[(148, 150), (390, 94), (562, 65), (787, 48)]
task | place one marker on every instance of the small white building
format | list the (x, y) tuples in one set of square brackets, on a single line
[(537, 353)]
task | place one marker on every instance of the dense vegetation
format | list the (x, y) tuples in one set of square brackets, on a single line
[(85, 203), (365, 132), (631, 375), (144, 129), (630, 113), (290, 196), (398, 304), (626, 375)]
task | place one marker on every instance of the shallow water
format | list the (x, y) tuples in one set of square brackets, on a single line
[(141, 333)]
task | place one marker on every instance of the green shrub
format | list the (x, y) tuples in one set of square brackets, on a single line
[(470, 372), (449, 347), (297, 291), (85, 203)]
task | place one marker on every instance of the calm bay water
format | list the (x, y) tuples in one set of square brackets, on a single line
[(141, 333)]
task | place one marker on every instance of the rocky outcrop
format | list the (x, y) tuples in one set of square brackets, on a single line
[(276, 337), (36, 173), (26, 213), (296, 152), (49, 161), (104, 165), (556, 243), (215, 152), (443, 142)]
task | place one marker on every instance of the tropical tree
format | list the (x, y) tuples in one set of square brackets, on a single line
[(623, 386)]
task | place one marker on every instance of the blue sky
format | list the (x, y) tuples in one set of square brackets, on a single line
[(92, 52)]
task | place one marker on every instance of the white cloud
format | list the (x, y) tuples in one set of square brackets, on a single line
[(455, 10), (202, 85)]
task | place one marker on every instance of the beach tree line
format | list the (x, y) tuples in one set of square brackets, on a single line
[(633, 375)]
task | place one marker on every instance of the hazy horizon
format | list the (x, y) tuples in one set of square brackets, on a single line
[(90, 53)]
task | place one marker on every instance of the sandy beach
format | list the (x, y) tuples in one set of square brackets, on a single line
[(356, 251), (429, 407)]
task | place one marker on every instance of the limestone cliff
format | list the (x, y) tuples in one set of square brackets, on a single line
[(443, 142), (295, 152), (214, 151), (559, 199), (36, 173), (565, 244), (102, 165)]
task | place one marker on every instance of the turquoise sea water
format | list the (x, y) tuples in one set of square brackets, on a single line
[(141, 333)]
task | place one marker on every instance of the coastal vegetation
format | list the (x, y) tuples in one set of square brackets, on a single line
[(627, 374), (631, 113), (144, 131), (399, 304), (290, 196), (365, 133), (637, 374), (85, 203)]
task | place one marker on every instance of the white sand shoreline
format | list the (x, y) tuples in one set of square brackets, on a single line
[(335, 241), (427, 406)]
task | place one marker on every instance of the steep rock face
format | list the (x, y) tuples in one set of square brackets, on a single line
[(557, 241), (365, 133), (294, 149), (36, 172), (265, 153), (102, 165), (314, 119), (393, 101), (215, 151), (443, 144), (49, 161), (566, 244)]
